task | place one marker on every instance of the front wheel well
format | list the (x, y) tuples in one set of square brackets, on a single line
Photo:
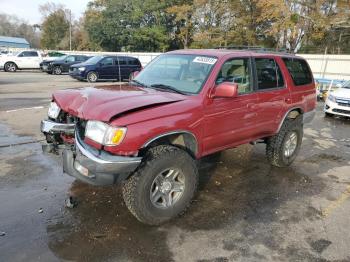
[(183, 140)]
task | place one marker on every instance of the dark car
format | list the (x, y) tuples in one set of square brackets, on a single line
[(44, 65), (105, 68), (62, 65)]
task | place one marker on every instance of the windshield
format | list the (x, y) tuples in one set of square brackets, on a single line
[(93, 60), (346, 85), (185, 73)]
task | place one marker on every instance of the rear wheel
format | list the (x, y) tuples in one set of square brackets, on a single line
[(92, 77), (10, 67), (163, 186), (282, 148), (57, 70)]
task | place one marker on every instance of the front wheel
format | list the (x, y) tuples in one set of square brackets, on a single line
[(92, 77), (57, 70), (163, 186), (10, 67), (282, 148)]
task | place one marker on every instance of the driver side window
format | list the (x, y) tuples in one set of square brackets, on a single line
[(237, 71)]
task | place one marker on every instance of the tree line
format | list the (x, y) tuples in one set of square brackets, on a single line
[(162, 25)]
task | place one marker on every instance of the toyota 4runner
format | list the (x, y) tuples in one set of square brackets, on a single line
[(186, 104)]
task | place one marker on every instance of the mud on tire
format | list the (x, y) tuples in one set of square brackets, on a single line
[(137, 189), (276, 146)]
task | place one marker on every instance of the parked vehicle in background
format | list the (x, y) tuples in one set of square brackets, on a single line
[(183, 106), (62, 65), (325, 86), (338, 101), (22, 60), (44, 65), (106, 68)]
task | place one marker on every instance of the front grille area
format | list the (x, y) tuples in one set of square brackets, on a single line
[(341, 111), (343, 102)]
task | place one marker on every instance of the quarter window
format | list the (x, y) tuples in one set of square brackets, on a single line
[(268, 73), (236, 71), (299, 71), (120, 60)]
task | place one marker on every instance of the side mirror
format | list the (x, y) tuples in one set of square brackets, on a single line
[(134, 74), (226, 89)]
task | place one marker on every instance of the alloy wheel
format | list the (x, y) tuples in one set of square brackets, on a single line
[(167, 188), (290, 144)]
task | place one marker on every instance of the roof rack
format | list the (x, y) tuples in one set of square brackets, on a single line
[(259, 49)]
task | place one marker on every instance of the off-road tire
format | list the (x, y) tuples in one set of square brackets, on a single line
[(275, 145), (136, 190), (11, 65), (57, 70), (92, 77)]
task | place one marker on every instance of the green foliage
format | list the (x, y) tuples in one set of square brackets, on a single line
[(55, 30), (161, 25)]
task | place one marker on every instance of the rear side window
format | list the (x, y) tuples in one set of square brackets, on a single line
[(299, 71), (268, 73), (28, 54), (120, 60)]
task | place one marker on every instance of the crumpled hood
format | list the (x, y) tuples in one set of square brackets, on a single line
[(104, 102)]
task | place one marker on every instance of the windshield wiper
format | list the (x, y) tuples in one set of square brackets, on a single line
[(167, 87), (139, 83)]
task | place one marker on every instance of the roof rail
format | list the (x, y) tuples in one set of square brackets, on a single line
[(258, 49)]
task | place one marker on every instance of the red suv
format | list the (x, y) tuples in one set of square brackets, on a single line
[(183, 106)]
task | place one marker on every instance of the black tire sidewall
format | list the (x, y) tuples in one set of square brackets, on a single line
[(298, 129), (180, 160)]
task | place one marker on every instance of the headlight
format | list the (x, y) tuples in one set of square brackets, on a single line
[(331, 98), (81, 68), (54, 110), (104, 134)]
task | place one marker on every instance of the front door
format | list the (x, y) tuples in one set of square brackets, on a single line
[(231, 121), (107, 68)]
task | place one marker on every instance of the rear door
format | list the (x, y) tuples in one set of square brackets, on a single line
[(28, 59), (231, 121), (301, 82), (70, 60), (122, 68), (273, 94)]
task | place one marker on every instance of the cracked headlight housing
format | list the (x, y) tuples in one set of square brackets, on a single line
[(54, 110), (104, 134)]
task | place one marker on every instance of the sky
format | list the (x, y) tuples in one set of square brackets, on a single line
[(29, 9)]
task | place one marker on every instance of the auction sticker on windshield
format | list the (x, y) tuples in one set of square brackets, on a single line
[(205, 60)]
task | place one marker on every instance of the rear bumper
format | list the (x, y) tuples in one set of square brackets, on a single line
[(92, 166)]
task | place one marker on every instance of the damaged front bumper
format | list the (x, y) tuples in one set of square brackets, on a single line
[(96, 167)]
